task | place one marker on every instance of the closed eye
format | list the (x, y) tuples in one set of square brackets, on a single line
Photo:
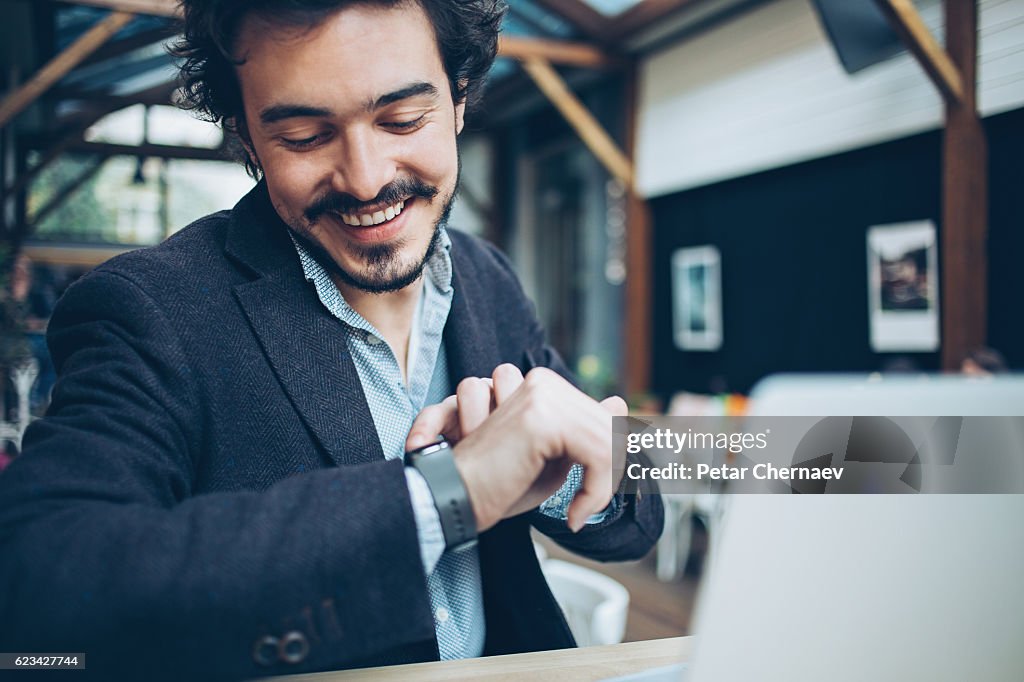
[(305, 142), (405, 126)]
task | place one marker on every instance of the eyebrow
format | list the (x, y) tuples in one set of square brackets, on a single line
[(280, 112), (411, 90)]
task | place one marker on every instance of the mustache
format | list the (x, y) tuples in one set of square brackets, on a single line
[(392, 193)]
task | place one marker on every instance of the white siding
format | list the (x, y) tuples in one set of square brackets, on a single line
[(766, 90)]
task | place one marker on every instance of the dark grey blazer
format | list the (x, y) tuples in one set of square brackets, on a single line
[(209, 477)]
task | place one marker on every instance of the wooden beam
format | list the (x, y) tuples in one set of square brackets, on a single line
[(582, 121), (964, 296), (157, 8), (60, 197), (135, 41), (159, 151), (60, 65), (161, 95), (907, 22), (78, 256), (588, 20), (555, 51), (638, 332), (644, 14)]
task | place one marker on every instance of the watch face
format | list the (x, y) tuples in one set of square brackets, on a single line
[(429, 449), (426, 450)]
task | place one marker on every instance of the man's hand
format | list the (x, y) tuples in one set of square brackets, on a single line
[(517, 437)]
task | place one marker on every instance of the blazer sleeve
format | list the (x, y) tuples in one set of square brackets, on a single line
[(628, 533), (105, 549), (636, 525)]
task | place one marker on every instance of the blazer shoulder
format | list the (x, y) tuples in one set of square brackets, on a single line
[(193, 256), (485, 260)]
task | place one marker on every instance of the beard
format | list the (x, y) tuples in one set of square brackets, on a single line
[(384, 269)]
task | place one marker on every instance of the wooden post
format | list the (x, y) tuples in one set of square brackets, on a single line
[(638, 334), (964, 293)]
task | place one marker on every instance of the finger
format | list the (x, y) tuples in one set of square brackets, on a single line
[(507, 378), (616, 406), (441, 419), (474, 403), (595, 490), (591, 498)]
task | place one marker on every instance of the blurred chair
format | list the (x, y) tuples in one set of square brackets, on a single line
[(23, 376), (673, 548), (594, 604)]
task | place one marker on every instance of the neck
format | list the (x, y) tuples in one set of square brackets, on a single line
[(391, 313)]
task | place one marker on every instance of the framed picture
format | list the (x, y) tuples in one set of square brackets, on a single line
[(697, 298), (903, 288)]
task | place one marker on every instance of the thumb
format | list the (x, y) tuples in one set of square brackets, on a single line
[(616, 406)]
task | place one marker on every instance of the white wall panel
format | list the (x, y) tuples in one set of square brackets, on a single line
[(766, 90)]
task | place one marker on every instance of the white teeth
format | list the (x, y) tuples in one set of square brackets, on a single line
[(368, 219)]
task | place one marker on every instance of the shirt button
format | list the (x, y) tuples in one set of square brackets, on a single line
[(557, 501), (442, 615), (372, 340)]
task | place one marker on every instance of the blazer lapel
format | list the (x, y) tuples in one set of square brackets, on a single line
[(470, 341), (305, 345)]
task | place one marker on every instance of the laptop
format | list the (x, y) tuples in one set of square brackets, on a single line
[(866, 587)]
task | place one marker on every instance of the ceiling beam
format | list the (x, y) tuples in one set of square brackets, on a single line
[(133, 42), (644, 14), (76, 127), (918, 38), (588, 20), (160, 95), (583, 122), (556, 52), (159, 151), (157, 8), (59, 66)]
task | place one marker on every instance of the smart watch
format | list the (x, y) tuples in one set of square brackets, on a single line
[(436, 463)]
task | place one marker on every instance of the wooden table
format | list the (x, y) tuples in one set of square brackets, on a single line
[(567, 665)]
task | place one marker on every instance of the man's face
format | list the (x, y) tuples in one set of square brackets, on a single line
[(353, 125)]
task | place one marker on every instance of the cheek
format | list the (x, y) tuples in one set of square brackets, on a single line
[(292, 182), (433, 158)]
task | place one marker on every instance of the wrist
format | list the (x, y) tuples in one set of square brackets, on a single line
[(475, 489), (435, 463)]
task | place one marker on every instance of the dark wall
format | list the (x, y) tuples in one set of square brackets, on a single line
[(794, 263)]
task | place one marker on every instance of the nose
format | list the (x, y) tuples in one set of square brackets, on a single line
[(364, 166)]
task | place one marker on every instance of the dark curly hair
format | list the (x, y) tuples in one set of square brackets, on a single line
[(466, 32)]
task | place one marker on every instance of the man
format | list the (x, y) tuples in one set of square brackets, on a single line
[(219, 489)]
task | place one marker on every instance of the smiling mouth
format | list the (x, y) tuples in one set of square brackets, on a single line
[(374, 218)]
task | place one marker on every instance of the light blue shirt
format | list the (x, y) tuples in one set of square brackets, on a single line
[(453, 578)]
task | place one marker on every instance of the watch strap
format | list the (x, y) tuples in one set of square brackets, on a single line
[(436, 463)]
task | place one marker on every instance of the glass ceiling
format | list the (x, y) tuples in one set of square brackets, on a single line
[(612, 8)]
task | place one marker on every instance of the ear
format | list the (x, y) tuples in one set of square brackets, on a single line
[(460, 116), (243, 136)]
